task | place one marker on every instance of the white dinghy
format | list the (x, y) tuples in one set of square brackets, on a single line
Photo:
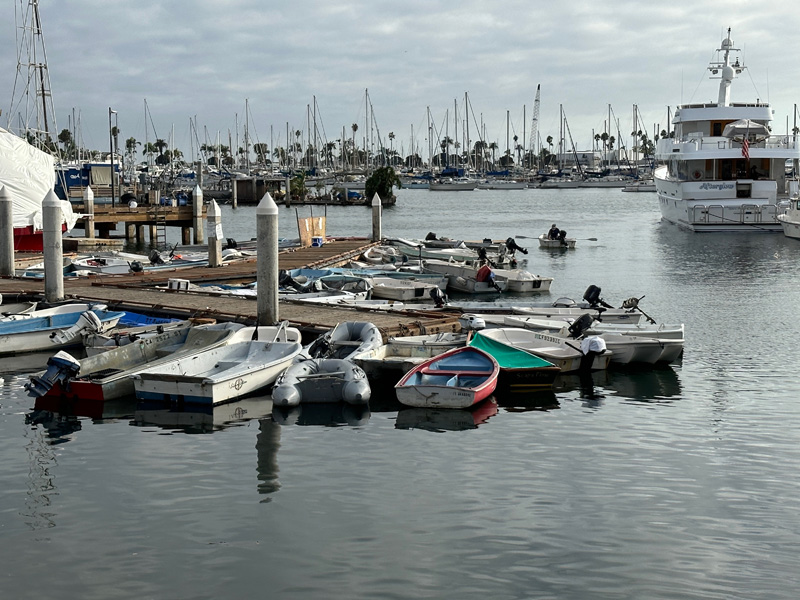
[(224, 373)]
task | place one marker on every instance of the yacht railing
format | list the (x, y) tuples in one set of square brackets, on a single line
[(695, 142)]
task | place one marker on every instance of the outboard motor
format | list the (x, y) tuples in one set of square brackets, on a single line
[(231, 243), (321, 347), (430, 237), (632, 304), (61, 367), (438, 296), (155, 258), (471, 322), (512, 245), (591, 347), (136, 266), (580, 325), (562, 235), (592, 296), (87, 322), (286, 280)]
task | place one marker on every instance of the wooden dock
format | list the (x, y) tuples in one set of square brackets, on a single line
[(140, 292)]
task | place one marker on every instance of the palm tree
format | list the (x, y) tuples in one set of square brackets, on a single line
[(493, 147), (262, 152), (160, 145)]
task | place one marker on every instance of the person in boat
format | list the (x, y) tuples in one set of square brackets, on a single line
[(553, 233)]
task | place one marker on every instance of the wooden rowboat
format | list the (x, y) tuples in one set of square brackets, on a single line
[(459, 378)]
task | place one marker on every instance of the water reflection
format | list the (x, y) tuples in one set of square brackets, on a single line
[(322, 414), (194, 418), (446, 419), (41, 481), (542, 400), (268, 442), (71, 408), (646, 386)]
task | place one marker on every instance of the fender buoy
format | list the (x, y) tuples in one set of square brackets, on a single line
[(696, 175)]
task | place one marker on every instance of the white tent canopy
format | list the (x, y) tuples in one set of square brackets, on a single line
[(28, 174)]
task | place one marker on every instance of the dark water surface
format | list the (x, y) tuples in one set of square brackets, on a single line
[(674, 483)]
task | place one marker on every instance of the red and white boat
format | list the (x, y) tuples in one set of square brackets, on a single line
[(28, 175), (459, 378)]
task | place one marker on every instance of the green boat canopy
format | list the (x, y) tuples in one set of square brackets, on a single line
[(507, 356)]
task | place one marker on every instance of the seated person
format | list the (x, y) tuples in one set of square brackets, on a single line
[(553, 233)]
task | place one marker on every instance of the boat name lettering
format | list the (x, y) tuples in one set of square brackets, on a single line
[(548, 338), (716, 186)]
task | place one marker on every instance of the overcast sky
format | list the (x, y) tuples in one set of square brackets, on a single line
[(204, 59)]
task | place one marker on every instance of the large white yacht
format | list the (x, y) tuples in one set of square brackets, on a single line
[(723, 169)]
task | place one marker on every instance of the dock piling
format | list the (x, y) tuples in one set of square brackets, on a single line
[(7, 225), (197, 214), (267, 260), (88, 208), (214, 217), (377, 209), (53, 248)]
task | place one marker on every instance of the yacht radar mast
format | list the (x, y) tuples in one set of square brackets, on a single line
[(724, 70)]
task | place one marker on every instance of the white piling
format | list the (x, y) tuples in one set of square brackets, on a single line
[(6, 233), (214, 217), (267, 260), (288, 198), (377, 209), (88, 208), (197, 214), (53, 248)]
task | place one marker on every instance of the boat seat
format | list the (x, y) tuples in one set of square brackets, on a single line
[(429, 371), (347, 343), (227, 364)]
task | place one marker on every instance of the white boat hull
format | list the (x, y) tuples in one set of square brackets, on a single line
[(566, 244), (790, 220), (218, 375)]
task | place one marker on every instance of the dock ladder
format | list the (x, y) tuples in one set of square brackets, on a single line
[(160, 218)]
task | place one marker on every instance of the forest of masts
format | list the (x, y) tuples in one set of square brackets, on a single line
[(460, 140)]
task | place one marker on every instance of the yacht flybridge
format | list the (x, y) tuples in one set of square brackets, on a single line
[(723, 169)]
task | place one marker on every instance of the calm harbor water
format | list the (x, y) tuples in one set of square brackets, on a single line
[(674, 483)]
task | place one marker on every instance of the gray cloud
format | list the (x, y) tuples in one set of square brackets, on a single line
[(205, 58)]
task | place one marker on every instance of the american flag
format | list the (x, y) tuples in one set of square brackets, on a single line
[(746, 149)]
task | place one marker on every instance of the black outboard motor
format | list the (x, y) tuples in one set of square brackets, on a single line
[(580, 325), (562, 236), (231, 244), (512, 245), (285, 280), (136, 266), (592, 296), (484, 258), (430, 237), (155, 258), (438, 296)]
